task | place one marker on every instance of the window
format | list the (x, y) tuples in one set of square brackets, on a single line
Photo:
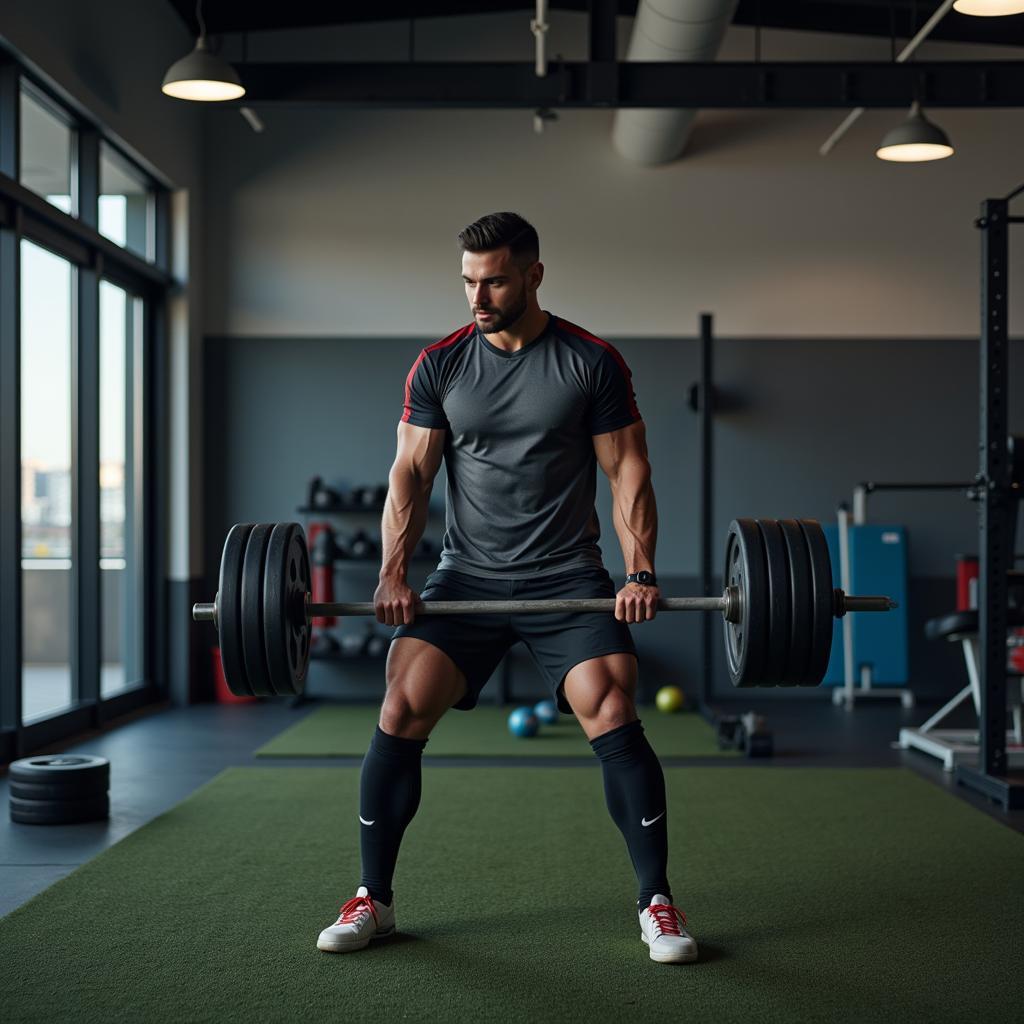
[(121, 489), (126, 203), (46, 482), (47, 151)]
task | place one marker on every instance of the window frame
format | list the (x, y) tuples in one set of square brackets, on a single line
[(93, 257)]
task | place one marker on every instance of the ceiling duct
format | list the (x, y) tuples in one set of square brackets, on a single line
[(668, 30)]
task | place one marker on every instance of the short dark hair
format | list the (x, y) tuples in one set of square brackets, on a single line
[(496, 230)]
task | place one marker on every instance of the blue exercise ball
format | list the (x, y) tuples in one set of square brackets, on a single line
[(523, 722), (546, 711)]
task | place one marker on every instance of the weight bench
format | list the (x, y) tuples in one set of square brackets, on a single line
[(951, 745)]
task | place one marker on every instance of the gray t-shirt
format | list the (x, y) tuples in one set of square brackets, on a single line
[(519, 451)]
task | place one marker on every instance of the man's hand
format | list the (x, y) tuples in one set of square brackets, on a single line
[(636, 603), (395, 602)]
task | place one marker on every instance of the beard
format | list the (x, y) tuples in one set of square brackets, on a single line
[(505, 318)]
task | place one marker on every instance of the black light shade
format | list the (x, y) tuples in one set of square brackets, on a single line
[(202, 76), (914, 140)]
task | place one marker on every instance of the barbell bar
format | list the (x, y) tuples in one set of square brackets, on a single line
[(777, 606), (207, 612)]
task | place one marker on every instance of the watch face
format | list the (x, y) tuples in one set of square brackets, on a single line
[(644, 577)]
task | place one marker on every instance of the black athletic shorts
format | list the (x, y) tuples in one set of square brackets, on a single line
[(557, 642)]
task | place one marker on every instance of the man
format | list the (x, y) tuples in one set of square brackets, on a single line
[(522, 406)]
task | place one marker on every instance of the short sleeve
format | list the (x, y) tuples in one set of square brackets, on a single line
[(613, 403), (423, 397)]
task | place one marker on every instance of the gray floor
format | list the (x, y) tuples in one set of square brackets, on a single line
[(159, 758)]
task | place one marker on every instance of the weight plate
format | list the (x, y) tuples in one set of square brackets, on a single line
[(777, 563), (57, 769), (286, 627), (251, 605), (824, 600), (801, 602), (229, 625), (59, 812), (746, 641), (67, 789)]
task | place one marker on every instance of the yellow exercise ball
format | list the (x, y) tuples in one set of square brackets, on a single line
[(670, 699)]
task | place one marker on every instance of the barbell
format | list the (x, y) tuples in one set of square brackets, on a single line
[(777, 607)]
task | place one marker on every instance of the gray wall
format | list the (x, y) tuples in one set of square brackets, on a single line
[(343, 221), (811, 419), (331, 260)]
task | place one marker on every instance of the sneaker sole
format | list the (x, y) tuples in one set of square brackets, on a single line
[(352, 947), (669, 958)]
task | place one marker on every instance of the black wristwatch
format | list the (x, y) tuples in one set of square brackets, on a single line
[(643, 577)]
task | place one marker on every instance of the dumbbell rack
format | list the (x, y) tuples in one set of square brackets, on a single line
[(312, 512)]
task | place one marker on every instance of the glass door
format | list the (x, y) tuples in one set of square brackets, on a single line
[(122, 567)]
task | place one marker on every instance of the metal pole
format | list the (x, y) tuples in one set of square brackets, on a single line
[(995, 560), (707, 482)]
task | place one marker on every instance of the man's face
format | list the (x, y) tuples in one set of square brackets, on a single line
[(498, 292)]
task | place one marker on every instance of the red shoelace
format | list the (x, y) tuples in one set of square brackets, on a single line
[(358, 905), (667, 917)]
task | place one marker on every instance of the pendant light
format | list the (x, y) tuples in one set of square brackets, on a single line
[(989, 8), (915, 140), (201, 75)]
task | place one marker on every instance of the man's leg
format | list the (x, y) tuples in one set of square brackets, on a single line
[(422, 684), (601, 692)]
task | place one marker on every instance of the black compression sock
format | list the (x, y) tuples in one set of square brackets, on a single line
[(389, 794), (634, 789)]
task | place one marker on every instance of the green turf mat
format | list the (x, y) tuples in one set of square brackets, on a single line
[(864, 895), (339, 729)]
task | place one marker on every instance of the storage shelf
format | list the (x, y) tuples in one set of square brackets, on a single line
[(342, 656), (376, 561), (330, 510)]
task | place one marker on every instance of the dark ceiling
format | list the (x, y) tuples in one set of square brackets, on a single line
[(852, 17)]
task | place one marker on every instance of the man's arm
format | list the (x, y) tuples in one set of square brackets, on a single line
[(410, 481), (623, 457)]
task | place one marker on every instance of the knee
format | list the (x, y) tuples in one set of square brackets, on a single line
[(609, 710), (410, 712)]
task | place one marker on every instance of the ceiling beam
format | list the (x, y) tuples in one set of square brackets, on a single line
[(847, 17), (623, 84)]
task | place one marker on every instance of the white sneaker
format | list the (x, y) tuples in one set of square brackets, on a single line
[(663, 928), (360, 920)]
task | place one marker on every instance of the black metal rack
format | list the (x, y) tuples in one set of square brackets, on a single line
[(997, 508)]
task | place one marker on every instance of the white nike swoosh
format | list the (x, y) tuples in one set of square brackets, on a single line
[(365, 822), (645, 822)]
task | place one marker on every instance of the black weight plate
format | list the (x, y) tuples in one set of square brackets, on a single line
[(777, 563), (824, 600), (69, 789), (746, 641), (57, 769), (286, 627), (251, 605), (59, 812), (229, 611), (801, 602)]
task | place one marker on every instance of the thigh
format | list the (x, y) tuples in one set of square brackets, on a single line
[(474, 643), (561, 641), (422, 684), (602, 692)]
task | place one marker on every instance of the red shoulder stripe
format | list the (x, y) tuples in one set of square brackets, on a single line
[(462, 332), (459, 335), (581, 332)]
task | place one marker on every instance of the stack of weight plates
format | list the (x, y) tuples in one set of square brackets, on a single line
[(59, 789)]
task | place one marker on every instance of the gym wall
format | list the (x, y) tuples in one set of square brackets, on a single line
[(812, 419), (849, 286), (342, 222)]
